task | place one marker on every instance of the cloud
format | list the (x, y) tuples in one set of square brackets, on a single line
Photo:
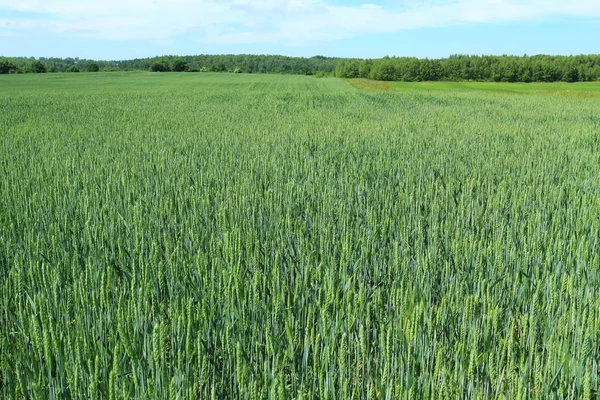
[(292, 22)]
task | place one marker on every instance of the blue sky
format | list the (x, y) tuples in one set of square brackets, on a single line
[(123, 29)]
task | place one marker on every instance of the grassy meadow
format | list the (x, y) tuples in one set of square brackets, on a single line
[(562, 89), (287, 237)]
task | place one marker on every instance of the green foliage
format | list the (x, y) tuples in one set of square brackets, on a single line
[(72, 68), (219, 67), (475, 68), (180, 66), (162, 241), (540, 68), (321, 74), (54, 64), (159, 66), (7, 67), (348, 69), (93, 67), (37, 67), (306, 70), (248, 63)]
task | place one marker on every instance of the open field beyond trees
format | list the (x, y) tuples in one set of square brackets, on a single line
[(267, 236), (578, 90)]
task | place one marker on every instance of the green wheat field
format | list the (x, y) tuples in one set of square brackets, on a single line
[(199, 236)]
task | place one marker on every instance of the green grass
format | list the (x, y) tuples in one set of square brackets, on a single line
[(260, 236), (577, 90), (149, 81)]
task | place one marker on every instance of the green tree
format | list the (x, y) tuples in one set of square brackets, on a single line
[(72, 68), (159, 66), (38, 68), (8, 68), (180, 66), (93, 67), (384, 69), (365, 68), (220, 67), (571, 74), (306, 70)]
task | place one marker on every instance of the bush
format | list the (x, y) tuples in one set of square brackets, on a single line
[(38, 68), (159, 67), (72, 68), (8, 68), (180, 66), (93, 67)]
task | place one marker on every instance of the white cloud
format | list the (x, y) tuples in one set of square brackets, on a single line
[(269, 21)]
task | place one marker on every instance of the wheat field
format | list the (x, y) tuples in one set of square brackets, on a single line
[(286, 237)]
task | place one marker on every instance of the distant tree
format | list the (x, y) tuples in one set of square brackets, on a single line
[(571, 74), (159, 67), (365, 68), (594, 73), (306, 70), (93, 67), (340, 69), (180, 66), (525, 76), (38, 68), (321, 74), (384, 69), (72, 68), (538, 68), (8, 68), (220, 67)]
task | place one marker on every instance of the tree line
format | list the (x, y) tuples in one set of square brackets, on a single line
[(539, 68), (243, 63), (24, 65)]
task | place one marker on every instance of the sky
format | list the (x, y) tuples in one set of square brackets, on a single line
[(126, 29)]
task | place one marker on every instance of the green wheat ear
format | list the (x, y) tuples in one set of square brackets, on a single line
[(272, 236)]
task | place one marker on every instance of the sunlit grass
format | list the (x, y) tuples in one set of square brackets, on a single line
[(577, 90), (259, 236)]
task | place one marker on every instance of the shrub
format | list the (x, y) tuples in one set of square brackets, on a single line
[(38, 68), (93, 67), (180, 66), (159, 67), (72, 68), (8, 68)]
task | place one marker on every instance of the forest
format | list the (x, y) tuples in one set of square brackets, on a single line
[(505, 68), (541, 68)]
